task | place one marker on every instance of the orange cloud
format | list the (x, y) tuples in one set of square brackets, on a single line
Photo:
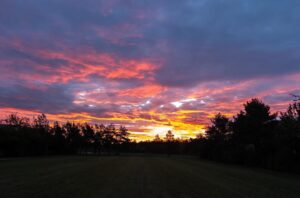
[(143, 91), (78, 65)]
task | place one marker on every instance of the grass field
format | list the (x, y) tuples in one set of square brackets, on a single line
[(139, 177)]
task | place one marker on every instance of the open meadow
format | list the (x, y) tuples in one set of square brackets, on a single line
[(138, 176)]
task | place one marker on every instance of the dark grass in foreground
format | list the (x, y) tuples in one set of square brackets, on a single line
[(140, 177)]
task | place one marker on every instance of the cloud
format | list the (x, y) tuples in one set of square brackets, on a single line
[(50, 99), (129, 61)]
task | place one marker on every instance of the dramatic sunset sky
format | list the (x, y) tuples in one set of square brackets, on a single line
[(149, 65)]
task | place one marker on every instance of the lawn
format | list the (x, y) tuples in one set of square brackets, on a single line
[(139, 176)]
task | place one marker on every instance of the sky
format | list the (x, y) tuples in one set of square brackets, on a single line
[(152, 66)]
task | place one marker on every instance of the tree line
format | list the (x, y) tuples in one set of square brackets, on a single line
[(253, 137), (256, 137), (20, 137)]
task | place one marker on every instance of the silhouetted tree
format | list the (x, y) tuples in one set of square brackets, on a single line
[(109, 134), (88, 136), (252, 132), (169, 136), (15, 120), (122, 135), (219, 128), (170, 142), (43, 136), (287, 141), (59, 144), (41, 122), (216, 135), (74, 138), (99, 138), (157, 138)]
